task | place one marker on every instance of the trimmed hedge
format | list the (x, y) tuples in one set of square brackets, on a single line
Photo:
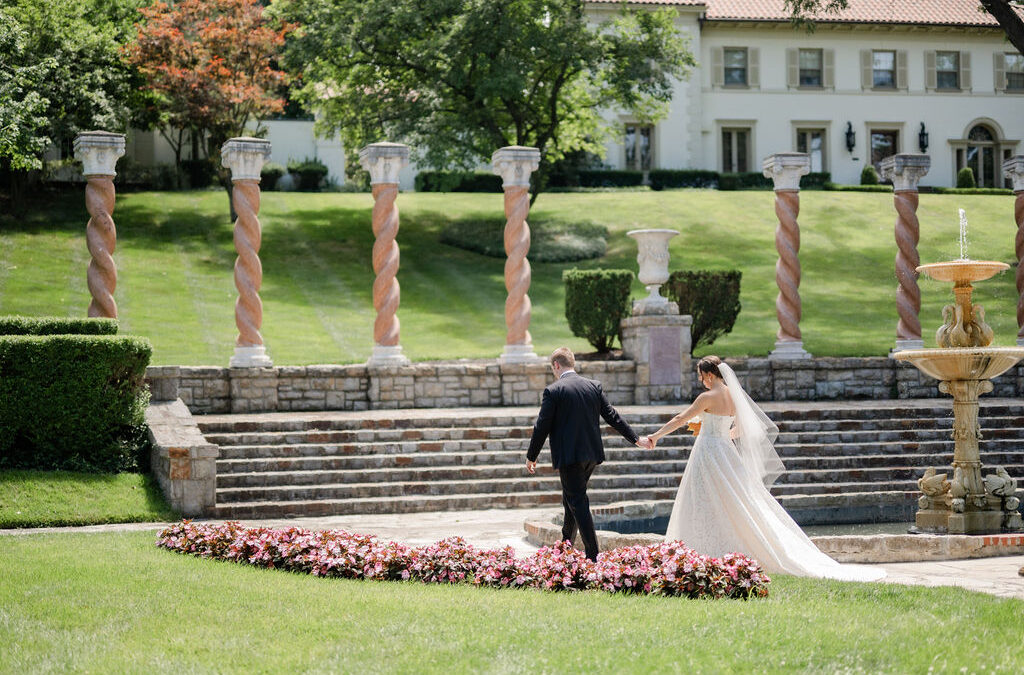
[(835, 187), (270, 174), (311, 173), (55, 325), (742, 181), (682, 178), (965, 178), (457, 181), (972, 191), (711, 297), (73, 402), (596, 301), (868, 175)]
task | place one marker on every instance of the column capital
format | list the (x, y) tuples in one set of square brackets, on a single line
[(1013, 169), (905, 170), (514, 164), (98, 152), (384, 161), (785, 169), (245, 157)]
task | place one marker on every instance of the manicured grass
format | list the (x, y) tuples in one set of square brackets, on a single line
[(175, 257), (113, 602), (58, 498)]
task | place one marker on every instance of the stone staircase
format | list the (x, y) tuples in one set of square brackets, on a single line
[(847, 462)]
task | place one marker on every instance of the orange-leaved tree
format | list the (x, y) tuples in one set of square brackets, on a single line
[(211, 65)]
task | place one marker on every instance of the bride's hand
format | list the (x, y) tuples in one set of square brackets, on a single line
[(648, 442)]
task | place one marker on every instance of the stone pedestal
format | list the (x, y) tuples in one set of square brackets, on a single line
[(384, 161), (660, 346)]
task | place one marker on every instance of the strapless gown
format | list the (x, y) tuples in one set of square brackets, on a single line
[(720, 508)]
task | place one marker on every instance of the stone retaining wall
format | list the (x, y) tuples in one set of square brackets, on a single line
[(208, 389)]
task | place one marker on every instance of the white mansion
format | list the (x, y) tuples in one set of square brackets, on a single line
[(884, 76)]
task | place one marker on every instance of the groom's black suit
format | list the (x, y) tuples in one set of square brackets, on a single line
[(569, 414)]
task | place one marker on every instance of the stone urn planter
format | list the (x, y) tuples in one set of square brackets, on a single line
[(652, 256)]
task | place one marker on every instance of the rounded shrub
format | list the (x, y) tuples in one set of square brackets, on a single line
[(965, 178), (269, 175), (712, 298), (868, 175), (311, 173), (596, 302)]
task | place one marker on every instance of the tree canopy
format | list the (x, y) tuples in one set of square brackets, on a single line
[(458, 79)]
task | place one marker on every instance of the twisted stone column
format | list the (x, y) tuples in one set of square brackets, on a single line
[(245, 157), (785, 169), (1013, 169), (905, 171), (384, 161), (98, 151), (515, 164)]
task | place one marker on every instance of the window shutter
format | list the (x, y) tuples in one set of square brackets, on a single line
[(866, 76), (828, 68), (999, 62), (901, 69), (930, 78), (965, 71), (792, 68), (753, 67), (717, 67)]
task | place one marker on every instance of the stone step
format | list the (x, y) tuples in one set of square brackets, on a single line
[(780, 488), (635, 457), (553, 498)]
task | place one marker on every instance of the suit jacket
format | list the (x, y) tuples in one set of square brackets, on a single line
[(569, 413)]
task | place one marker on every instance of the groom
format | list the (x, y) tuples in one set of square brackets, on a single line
[(569, 413)]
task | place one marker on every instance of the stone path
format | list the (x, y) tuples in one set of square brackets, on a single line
[(504, 527)]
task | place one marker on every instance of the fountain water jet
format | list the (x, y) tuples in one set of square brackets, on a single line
[(964, 363)]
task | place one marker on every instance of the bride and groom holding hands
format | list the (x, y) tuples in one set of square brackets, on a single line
[(723, 504)]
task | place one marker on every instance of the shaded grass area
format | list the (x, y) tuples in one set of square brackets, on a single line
[(175, 257), (113, 602), (60, 498)]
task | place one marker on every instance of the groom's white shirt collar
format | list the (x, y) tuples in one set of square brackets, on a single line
[(567, 372)]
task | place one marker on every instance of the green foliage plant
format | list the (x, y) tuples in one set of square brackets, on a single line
[(965, 178), (311, 173), (550, 240), (711, 297), (836, 187), (457, 181), (868, 175), (972, 191), (458, 80), (269, 175), (73, 402), (596, 302), (56, 325)]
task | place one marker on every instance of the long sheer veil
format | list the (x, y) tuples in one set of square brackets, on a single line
[(755, 432)]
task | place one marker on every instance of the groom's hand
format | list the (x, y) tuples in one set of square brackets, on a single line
[(531, 467)]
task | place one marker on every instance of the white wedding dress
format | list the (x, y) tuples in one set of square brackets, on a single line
[(724, 506)]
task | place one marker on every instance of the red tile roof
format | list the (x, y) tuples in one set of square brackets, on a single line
[(922, 12)]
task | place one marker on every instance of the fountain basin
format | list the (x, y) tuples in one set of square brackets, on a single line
[(962, 272), (963, 363)]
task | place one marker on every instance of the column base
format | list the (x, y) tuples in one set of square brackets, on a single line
[(387, 356), (1020, 342), (902, 344), (253, 356), (519, 354), (788, 350)]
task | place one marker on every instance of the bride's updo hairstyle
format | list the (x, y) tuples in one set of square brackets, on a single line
[(709, 364)]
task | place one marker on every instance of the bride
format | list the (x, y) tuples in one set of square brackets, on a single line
[(723, 504)]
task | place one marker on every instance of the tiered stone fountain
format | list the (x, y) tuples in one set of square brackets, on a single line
[(964, 363)]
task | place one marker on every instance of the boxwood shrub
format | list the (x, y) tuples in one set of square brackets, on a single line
[(457, 181), (596, 301), (712, 298), (73, 402), (55, 325)]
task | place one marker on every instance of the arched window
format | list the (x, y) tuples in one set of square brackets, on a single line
[(981, 152)]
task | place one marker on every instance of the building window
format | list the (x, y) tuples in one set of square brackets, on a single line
[(810, 68), (883, 69), (637, 143), (735, 59), (883, 144), (947, 70), (1015, 72), (735, 150), (812, 142)]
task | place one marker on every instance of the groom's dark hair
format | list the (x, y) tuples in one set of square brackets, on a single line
[(563, 357)]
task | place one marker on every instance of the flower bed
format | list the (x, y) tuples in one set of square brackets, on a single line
[(669, 568)]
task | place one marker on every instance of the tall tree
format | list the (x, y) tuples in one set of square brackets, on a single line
[(458, 79), (210, 65), (1008, 13)]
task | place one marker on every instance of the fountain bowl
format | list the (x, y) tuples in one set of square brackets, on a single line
[(963, 363), (963, 271)]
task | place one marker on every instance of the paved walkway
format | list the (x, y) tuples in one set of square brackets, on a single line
[(504, 527)]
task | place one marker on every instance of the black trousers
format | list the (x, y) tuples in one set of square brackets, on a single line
[(574, 479)]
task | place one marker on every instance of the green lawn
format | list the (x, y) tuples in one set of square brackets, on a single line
[(175, 257), (57, 498), (113, 602)]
